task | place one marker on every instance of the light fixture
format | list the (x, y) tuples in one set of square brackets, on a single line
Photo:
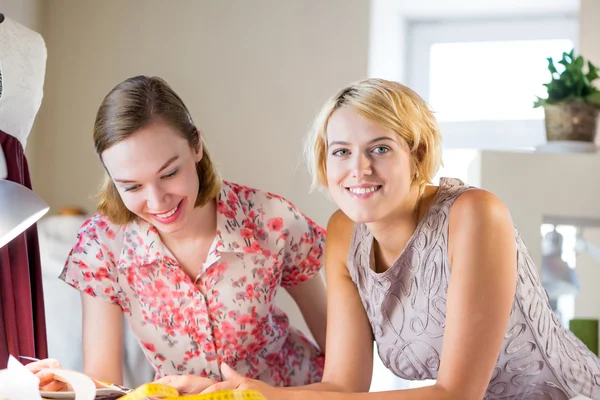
[(19, 207)]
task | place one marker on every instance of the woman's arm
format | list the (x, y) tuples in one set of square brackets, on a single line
[(481, 291), (311, 299), (102, 339), (349, 359)]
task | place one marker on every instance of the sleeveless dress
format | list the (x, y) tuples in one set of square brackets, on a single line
[(406, 306)]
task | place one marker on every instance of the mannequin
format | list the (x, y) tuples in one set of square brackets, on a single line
[(23, 63), (22, 70)]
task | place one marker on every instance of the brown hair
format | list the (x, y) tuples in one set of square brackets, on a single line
[(390, 105), (133, 105)]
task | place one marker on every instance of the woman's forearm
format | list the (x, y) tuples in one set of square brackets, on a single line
[(326, 391), (319, 387)]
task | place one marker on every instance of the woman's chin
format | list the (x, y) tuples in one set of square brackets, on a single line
[(361, 217)]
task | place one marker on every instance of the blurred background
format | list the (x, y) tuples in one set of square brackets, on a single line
[(255, 73)]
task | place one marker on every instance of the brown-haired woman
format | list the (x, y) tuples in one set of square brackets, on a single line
[(193, 262)]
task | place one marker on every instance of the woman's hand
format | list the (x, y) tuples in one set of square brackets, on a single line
[(48, 382), (186, 384), (236, 381)]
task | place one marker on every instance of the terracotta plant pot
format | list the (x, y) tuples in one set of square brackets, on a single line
[(571, 121)]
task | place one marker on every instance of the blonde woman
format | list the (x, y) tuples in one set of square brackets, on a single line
[(437, 276)]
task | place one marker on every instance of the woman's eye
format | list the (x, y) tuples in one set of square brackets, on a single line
[(132, 188), (381, 149), (341, 152), (170, 174)]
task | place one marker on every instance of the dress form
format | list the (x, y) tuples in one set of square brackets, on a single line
[(22, 70), (22, 65)]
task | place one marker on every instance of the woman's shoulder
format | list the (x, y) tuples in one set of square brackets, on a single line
[(478, 203), (99, 229), (340, 229), (270, 204), (475, 214)]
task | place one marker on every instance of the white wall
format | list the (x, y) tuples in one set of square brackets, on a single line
[(25, 12), (589, 30), (589, 36)]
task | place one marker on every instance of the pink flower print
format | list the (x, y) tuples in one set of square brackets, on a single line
[(232, 206), (230, 337), (89, 290), (178, 318), (176, 279), (222, 207), (240, 296), (162, 289), (244, 319), (312, 260), (88, 276), (110, 234), (78, 248), (148, 346), (248, 223), (253, 248), (199, 337), (262, 234), (232, 196), (209, 352), (251, 291), (101, 274), (246, 233), (102, 224), (275, 224), (144, 272)]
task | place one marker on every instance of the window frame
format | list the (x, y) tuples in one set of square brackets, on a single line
[(498, 135)]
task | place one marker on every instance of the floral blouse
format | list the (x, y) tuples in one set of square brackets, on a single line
[(228, 314)]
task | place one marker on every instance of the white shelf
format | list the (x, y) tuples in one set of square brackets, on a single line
[(567, 146)]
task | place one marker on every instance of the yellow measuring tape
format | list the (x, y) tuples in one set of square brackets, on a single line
[(168, 393)]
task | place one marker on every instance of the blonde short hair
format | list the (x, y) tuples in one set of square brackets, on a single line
[(390, 105), (132, 105)]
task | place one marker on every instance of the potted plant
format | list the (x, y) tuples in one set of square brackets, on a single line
[(573, 103)]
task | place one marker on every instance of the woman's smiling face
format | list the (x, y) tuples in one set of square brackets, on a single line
[(369, 168), (155, 173)]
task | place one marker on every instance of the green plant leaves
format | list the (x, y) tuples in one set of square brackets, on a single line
[(572, 84)]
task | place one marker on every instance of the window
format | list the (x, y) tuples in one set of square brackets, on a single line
[(481, 78), (563, 304), (457, 164)]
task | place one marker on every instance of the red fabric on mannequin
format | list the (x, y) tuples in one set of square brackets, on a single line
[(22, 319)]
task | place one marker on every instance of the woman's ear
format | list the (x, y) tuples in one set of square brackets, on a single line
[(200, 149)]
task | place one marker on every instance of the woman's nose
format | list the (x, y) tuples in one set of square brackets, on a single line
[(155, 199), (361, 166)]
